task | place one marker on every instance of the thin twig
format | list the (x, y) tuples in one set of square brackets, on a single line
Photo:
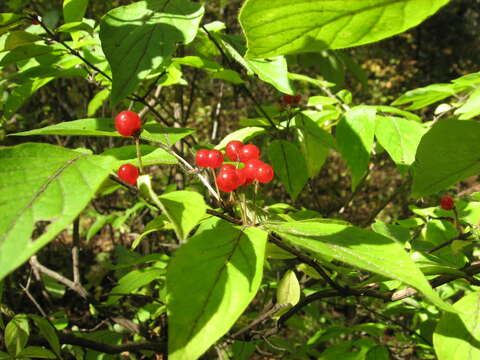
[(78, 288), (76, 244)]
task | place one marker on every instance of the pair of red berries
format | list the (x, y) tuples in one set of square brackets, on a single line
[(128, 123), (230, 177), (447, 203)]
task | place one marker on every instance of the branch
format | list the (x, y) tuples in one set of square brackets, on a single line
[(388, 296)]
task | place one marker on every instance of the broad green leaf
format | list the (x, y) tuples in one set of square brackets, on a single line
[(289, 166), (17, 332), (393, 110), (280, 27), (358, 247), (18, 96), (222, 267), (185, 209), (8, 19), (106, 127), (288, 292), (24, 52), (456, 335), (378, 352), (47, 331), (37, 352), (134, 280), (321, 100), (198, 62), (447, 154), (97, 101), (470, 79), (74, 10), (273, 70), (428, 95), (151, 155), (228, 75), (244, 134), (42, 185), (75, 26), (314, 143), (471, 108), (137, 38), (355, 134), (399, 137), (19, 38)]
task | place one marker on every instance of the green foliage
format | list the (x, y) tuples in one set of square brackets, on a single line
[(168, 265)]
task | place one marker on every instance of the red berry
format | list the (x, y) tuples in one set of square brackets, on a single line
[(215, 159), (233, 150), (241, 177), (447, 203), (264, 173), (250, 168), (128, 123), (291, 99), (227, 167), (227, 181), (249, 152), (128, 173), (201, 159)]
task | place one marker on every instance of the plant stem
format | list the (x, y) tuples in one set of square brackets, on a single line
[(139, 153)]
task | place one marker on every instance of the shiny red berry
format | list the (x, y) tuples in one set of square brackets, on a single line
[(251, 168), (249, 152), (242, 178), (227, 181), (201, 158), (215, 159), (291, 99), (128, 123), (264, 173), (447, 203), (128, 173), (227, 167), (233, 150)]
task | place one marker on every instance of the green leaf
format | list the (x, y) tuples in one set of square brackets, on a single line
[(19, 38), (20, 94), (288, 292), (428, 95), (289, 165), (280, 27), (314, 143), (74, 10), (393, 110), (321, 100), (75, 26), (137, 38), (228, 75), (361, 248), (151, 155), (447, 154), (37, 352), (45, 185), (25, 52), (134, 280), (399, 137), (222, 267), (4, 356), (244, 134), (106, 127), (378, 352), (185, 209), (17, 332), (47, 331), (456, 335), (273, 70), (97, 101), (355, 134), (471, 108)]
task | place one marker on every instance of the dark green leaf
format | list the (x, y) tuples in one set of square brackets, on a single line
[(137, 38), (47, 331), (222, 268), (281, 27), (378, 352), (52, 185), (448, 153), (37, 352), (289, 165), (17, 332), (24, 52), (19, 38), (74, 10), (399, 137), (355, 134), (362, 248)]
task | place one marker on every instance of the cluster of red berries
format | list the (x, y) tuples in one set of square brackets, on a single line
[(128, 123), (447, 203), (231, 177)]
